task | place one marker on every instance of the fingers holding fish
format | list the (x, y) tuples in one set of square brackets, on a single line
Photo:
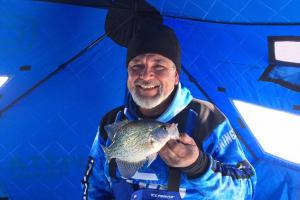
[(186, 139), (169, 157), (180, 153), (178, 148), (183, 146)]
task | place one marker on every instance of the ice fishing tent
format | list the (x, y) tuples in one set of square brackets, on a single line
[(64, 72)]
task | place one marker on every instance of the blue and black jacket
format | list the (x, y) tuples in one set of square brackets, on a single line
[(221, 171)]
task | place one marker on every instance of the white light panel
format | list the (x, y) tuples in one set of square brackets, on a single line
[(278, 132), (3, 80)]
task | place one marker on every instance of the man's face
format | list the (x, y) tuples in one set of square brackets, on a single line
[(151, 79)]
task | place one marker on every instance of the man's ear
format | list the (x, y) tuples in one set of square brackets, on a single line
[(176, 78)]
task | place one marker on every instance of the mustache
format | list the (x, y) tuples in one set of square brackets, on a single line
[(140, 82)]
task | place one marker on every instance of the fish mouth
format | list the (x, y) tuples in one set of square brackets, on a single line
[(173, 125), (173, 130)]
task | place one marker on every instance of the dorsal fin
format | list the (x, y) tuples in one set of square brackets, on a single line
[(112, 129)]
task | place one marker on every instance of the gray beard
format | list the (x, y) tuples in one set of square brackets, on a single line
[(148, 103)]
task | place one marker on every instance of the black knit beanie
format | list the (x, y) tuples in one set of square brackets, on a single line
[(156, 39)]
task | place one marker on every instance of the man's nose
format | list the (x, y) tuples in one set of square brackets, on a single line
[(146, 73)]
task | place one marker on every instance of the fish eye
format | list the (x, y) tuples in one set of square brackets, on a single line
[(164, 127)]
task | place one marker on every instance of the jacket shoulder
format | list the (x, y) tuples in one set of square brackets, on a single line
[(208, 112), (209, 118)]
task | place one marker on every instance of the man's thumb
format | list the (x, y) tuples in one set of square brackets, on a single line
[(186, 139)]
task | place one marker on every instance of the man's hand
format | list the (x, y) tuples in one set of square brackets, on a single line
[(180, 153)]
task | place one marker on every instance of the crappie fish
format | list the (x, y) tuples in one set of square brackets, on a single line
[(133, 143)]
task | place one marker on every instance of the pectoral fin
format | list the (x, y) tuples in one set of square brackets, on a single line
[(151, 158)]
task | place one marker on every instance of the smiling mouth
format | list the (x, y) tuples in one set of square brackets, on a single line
[(147, 87)]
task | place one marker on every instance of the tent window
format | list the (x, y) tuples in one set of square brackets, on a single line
[(284, 62), (287, 51), (284, 50), (276, 131), (3, 80)]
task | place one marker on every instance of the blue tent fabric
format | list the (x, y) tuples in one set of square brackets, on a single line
[(244, 11), (46, 129)]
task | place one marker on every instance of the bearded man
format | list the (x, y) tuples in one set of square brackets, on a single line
[(206, 162)]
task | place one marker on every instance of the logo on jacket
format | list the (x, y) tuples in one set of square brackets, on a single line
[(226, 139)]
